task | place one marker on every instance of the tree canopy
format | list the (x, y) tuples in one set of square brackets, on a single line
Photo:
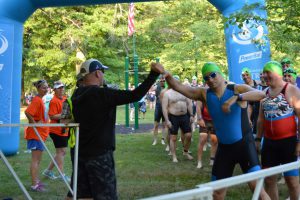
[(183, 34)]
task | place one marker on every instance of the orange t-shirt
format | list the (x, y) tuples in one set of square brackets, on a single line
[(37, 110), (55, 107)]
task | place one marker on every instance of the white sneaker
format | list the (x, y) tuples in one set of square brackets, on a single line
[(175, 160), (163, 142), (204, 147), (188, 156), (154, 142), (281, 181), (211, 162), (188, 151), (49, 174), (179, 139), (167, 148), (199, 166)]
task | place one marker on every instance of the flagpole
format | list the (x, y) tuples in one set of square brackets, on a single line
[(136, 82), (133, 38), (131, 31)]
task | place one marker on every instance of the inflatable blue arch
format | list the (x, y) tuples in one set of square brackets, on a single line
[(241, 51)]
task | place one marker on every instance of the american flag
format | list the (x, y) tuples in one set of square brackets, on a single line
[(131, 19)]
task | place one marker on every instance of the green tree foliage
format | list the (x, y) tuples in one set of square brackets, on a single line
[(183, 34), (283, 24)]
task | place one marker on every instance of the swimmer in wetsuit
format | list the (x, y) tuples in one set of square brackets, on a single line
[(227, 105)]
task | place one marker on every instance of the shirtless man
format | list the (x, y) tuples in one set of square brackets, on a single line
[(178, 113)]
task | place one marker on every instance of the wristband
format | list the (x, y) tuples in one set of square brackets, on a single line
[(257, 139), (239, 97)]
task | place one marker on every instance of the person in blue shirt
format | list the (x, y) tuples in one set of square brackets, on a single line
[(227, 105)]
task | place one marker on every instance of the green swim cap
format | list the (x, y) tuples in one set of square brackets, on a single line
[(286, 60), (273, 66), (290, 71), (210, 67), (194, 78), (176, 77), (246, 70)]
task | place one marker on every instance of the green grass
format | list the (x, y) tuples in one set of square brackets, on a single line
[(149, 116), (142, 170)]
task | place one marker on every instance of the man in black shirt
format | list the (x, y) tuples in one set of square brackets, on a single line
[(95, 110)]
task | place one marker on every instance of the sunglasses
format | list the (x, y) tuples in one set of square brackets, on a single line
[(287, 62), (290, 71), (243, 75), (212, 75), (287, 76)]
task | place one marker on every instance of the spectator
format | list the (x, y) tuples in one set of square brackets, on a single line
[(35, 113), (95, 111), (58, 135)]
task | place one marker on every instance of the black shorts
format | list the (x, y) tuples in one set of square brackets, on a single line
[(182, 122), (151, 98), (194, 109), (59, 141), (158, 114), (277, 152), (254, 118), (131, 105), (242, 152), (209, 128), (97, 177)]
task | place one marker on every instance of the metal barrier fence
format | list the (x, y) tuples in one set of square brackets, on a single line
[(205, 191), (74, 191), (202, 192)]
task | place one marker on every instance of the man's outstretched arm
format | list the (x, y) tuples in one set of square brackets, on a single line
[(189, 92)]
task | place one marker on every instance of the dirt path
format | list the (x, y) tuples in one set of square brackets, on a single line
[(143, 128)]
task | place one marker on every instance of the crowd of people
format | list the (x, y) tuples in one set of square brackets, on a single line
[(239, 120)]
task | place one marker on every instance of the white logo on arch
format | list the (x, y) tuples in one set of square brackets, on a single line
[(250, 31), (4, 43)]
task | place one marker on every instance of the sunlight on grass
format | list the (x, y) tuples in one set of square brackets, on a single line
[(142, 170)]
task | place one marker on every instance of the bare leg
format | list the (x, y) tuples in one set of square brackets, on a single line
[(168, 142), (219, 194), (59, 158), (155, 133), (214, 146), (173, 139), (202, 141), (36, 157), (186, 145), (131, 114), (163, 134), (293, 185), (263, 195), (271, 187)]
